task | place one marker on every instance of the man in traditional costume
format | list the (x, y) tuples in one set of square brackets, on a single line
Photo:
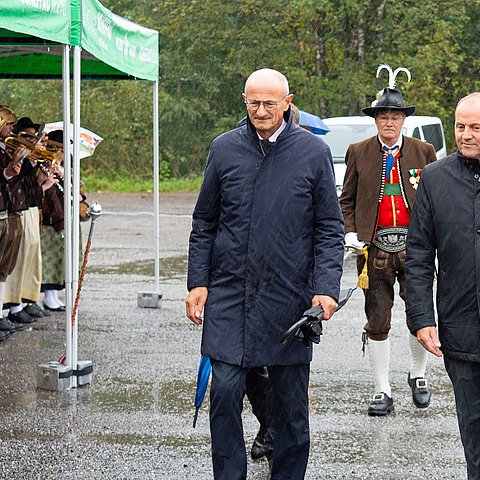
[(378, 193)]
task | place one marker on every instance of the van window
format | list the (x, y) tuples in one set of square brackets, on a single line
[(416, 133), (433, 135), (341, 136)]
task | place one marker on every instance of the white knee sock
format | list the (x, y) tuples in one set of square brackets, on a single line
[(16, 308), (379, 354), (418, 363), (50, 299)]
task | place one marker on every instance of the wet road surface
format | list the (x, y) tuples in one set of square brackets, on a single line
[(135, 420)]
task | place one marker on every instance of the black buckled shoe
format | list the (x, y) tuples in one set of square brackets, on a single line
[(421, 396), (20, 317), (262, 444), (381, 405)]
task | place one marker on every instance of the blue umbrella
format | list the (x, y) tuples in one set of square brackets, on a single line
[(312, 122), (203, 375)]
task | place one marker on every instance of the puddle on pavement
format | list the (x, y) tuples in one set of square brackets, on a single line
[(170, 267), (123, 439), (123, 395)]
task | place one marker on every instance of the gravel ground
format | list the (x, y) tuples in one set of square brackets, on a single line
[(135, 420)]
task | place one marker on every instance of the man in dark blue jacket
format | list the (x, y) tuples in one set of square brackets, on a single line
[(446, 222), (266, 244)]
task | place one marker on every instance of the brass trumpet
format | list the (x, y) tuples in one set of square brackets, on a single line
[(47, 151)]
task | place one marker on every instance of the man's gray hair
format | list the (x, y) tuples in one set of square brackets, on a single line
[(273, 73)]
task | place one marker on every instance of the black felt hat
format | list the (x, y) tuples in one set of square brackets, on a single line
[(391, 99)]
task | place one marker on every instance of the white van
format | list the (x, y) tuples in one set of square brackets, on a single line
[(347, 130)]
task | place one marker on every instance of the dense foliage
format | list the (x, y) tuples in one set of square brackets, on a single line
[(329, 50)]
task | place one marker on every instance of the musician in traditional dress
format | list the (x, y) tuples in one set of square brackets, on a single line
[(378, 193), (22, 289)]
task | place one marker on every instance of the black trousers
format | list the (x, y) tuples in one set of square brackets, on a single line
[(289, 417), (465, 377)]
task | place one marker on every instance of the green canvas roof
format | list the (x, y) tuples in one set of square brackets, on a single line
[(33, 31)]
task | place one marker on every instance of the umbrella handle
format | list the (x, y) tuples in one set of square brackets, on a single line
[(296, 325)]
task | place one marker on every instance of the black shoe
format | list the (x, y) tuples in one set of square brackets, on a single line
[(7, 326), (4, 335), (262, 444), (381, 405), (420, 394), (20, 317), (61, 308), (34, 310)]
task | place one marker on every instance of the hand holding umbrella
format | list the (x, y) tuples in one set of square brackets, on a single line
[(309, 327)]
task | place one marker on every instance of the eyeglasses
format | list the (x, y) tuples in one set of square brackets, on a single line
[(388, 118), (267, 104)]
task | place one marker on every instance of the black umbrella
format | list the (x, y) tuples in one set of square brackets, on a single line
[(309, 327)]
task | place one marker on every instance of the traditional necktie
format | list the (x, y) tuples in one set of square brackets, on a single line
[(389, 155)]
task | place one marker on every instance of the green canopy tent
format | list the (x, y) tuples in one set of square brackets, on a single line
[(36, 41)]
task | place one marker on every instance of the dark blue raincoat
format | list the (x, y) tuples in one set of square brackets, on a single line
[(267, 235)]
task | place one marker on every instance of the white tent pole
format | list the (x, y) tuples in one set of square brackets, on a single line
[(75, 196), (66, 201), (156, 186)]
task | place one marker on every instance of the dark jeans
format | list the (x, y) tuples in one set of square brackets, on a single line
[(383, 270), (465, 377), (289, 418)]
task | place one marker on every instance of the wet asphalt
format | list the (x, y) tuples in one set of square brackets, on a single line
[(135, 420)]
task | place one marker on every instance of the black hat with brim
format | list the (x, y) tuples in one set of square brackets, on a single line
[(391, 99)]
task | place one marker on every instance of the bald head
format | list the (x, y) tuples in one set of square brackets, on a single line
[(467, 126), (268, 76)]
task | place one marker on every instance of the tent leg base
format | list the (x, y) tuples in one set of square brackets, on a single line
[(56, 377), (149, 299)]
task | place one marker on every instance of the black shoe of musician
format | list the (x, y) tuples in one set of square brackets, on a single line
[(7, 326), (4, 335), (262, 444), (21, 317), (420, 393), (35, 310), (381, 405)]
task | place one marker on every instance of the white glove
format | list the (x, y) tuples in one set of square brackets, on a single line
[(352, 241)]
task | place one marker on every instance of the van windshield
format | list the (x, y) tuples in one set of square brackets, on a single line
[(341, 136)]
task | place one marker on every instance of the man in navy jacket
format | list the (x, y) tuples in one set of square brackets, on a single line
[(266, 244), (446, 223)]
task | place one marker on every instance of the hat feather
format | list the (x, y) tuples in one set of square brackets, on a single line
[(392, 75)]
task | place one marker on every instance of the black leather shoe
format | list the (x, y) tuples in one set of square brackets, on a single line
[(7, 326), (4, 335), (262, 444), (61, 308), (420, 393), (381, 405), (20, 317), (35, 311)]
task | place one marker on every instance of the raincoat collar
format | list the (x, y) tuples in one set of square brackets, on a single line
[(274, 137), (471, 163)]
